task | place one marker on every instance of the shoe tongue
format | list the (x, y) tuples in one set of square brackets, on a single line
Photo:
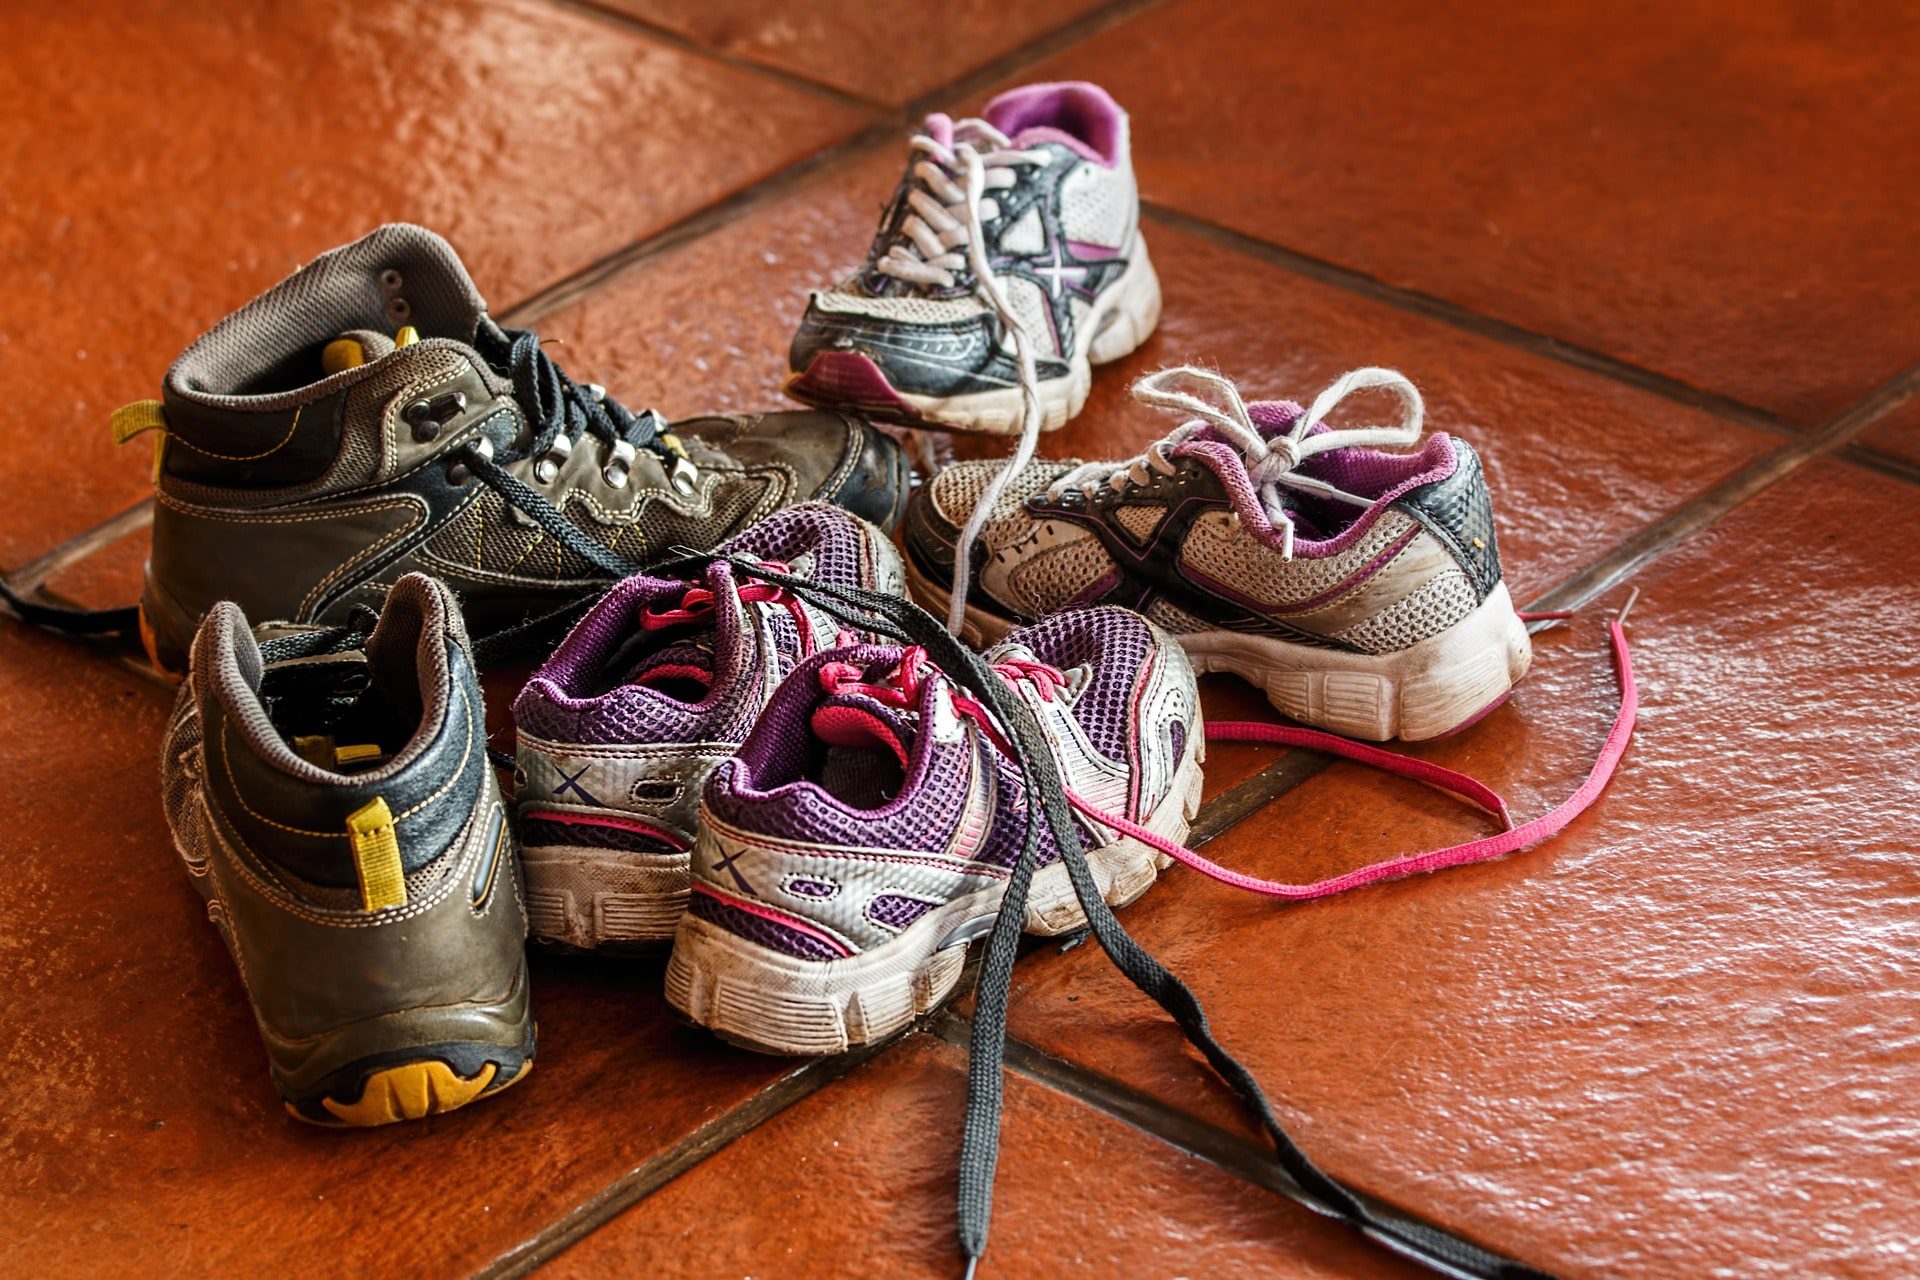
[(939, 127), (684, 667), (853, 719)]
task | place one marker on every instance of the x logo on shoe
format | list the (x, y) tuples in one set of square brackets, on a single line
[(725, 863), (571, 782)]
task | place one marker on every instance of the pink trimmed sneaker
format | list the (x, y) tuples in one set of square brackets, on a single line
[(868, 828), (1360, 589), (658, 683)]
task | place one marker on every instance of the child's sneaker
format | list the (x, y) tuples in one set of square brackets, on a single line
[(1360, 589), (661, 681), (866, 831), (366, 417), (330, 795), (1028, 219)]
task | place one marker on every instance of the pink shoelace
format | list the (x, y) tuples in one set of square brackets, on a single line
[(696, 605), (902, 690)]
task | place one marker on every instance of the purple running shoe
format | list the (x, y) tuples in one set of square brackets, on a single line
[(658, 683), (868, 828)]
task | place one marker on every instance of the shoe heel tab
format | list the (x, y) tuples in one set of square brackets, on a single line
[(1458, 510)]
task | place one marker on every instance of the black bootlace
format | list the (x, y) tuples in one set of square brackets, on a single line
[(558, 408), (1051, 826)]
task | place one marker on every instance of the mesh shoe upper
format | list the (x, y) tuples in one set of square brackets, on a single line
[(1183, 537), (872, 790), (299, 492)]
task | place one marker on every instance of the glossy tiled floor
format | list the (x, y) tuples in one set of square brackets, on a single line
[(1658, 264)]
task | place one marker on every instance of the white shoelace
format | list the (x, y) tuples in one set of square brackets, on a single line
[(943, 235), (1272, 461)]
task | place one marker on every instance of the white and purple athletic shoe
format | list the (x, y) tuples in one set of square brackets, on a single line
[(868, 828), (657, 684), (1010, 254), (1360, 588)]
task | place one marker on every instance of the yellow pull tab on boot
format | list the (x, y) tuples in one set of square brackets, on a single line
[(376, 856), (138, 418)]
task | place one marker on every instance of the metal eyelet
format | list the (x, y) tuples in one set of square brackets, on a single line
[(459, 473), (684, 477), (398, 309), (429, 417), (391, 280)]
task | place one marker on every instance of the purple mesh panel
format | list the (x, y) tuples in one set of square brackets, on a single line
[(764, 787), (551, 705), (768, 933), (1115, 645), (576, 662), (1177, 739), (897, 911), (812, 888), (831, 538), (541, 832)]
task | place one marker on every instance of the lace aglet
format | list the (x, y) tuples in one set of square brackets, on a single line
[(1627, 608)]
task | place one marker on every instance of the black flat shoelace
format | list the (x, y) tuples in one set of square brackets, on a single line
[(1050, 825), (557, 406)]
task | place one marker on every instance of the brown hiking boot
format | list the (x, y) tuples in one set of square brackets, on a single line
[(364, 418)]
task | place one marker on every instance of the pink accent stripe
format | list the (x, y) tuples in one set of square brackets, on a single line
[(1509, 841), (1086, 252), (777, 917), (1395, 548), (619, 823)]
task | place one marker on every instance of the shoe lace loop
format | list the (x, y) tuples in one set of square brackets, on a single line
[(939, 238), (697, 602), (1212, 402)]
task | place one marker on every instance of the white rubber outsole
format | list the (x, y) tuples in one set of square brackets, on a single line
[(1124, 317), (1427, 690), (604, 899), (775, 1003)]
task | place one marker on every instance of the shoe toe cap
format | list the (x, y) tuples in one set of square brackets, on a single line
[(829, 457)]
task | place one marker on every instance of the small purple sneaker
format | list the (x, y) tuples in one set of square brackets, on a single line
[(657, 684), (867, 829)]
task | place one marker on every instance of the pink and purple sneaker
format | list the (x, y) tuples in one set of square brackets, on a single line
[(658, 683), (868, 828)]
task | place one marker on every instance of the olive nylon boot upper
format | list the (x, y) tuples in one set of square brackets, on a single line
[(364, 418)]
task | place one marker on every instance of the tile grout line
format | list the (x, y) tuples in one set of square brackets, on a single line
[(656, 1171), (610, 15), (1506, 333), (1215, 818)]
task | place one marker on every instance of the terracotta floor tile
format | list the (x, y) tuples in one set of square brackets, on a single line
[(890, 51), (137, 1123), (1577, 461), (1897, 434), (165, 163), (859, 1179), (1678, 1040), (1696, 189)]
